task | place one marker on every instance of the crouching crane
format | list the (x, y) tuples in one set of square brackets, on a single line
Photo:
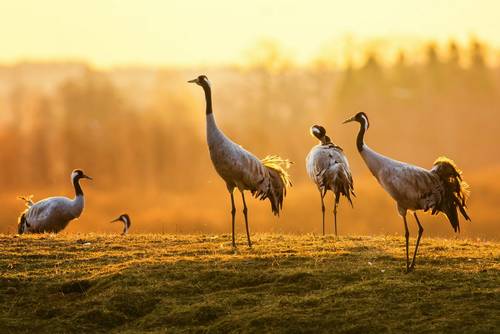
[(440, 189), (53, 214), (327, 166), (265, 179)]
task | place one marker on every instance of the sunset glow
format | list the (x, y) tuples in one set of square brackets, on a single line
[(108, 33)]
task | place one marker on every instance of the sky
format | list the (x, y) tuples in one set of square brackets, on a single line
[(189, 32)]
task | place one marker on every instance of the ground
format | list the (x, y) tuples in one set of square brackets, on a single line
[(179, 283)]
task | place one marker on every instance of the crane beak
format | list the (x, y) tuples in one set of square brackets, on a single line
[(194, 81), (115, 220), (87, 177), (348, 120)]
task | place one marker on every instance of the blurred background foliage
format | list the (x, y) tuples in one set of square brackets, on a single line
[(140, 132)]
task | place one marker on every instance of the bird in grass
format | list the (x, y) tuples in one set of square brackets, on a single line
[(328, 167), (265, 179), (53, 214), (440, 189), (125, 219)]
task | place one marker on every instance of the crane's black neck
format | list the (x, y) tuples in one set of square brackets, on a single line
[(208, 97), (78, 188), (325, 140), (360, 141)]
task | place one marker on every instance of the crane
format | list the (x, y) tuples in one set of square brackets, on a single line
[(440, 189), (53, 214), (265, 179), (328, 168)]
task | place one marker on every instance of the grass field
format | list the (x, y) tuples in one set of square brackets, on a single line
[(177, 283)]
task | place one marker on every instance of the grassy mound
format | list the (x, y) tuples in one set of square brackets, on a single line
[(157, 283)]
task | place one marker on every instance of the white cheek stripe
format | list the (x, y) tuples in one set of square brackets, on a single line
[(366, 122)]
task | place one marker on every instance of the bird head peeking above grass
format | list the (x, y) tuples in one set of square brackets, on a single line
[(125, 219), (122, 218)]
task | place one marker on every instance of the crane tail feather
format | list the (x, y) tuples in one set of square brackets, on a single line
[(279, 181), (456, 191), (340, 181), (21, 222)]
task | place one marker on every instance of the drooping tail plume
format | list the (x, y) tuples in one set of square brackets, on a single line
[(456, 191), (21, 222), (279, 180), (339, 180)]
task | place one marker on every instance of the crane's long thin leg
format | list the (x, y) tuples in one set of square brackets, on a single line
[(233, 213), (407, 237), (322, 194), (420, 232), (245, 211), (335, 212)]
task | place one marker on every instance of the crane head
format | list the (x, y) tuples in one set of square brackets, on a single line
[(123, 218), (79, 174), (201, 80), (318, 131), (361, 118)]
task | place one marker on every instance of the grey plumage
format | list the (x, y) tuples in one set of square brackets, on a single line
[(328, 168), (125, 219), (440, 189), (265, 179), (53, 214)]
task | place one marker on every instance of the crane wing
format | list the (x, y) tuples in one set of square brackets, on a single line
[(412, 187), (39, 211), (49, 211)]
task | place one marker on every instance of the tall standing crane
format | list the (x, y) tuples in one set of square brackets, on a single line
[(265, 179), (440, 189)]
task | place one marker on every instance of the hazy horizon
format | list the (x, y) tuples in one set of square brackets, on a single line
[(192, 33)]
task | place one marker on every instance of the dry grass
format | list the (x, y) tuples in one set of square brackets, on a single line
[(180, 283)]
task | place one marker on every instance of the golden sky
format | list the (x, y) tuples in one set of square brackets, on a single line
[(190, 32)]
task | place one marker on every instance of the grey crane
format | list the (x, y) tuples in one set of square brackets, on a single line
[(53, 214), (125, 219), (328, 167), (265, 179), (440, 189)]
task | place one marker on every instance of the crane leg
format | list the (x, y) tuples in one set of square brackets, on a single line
[(335, 213), (420, 232), (245, 211), (407, 237), (233, 213), (322, 194)]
